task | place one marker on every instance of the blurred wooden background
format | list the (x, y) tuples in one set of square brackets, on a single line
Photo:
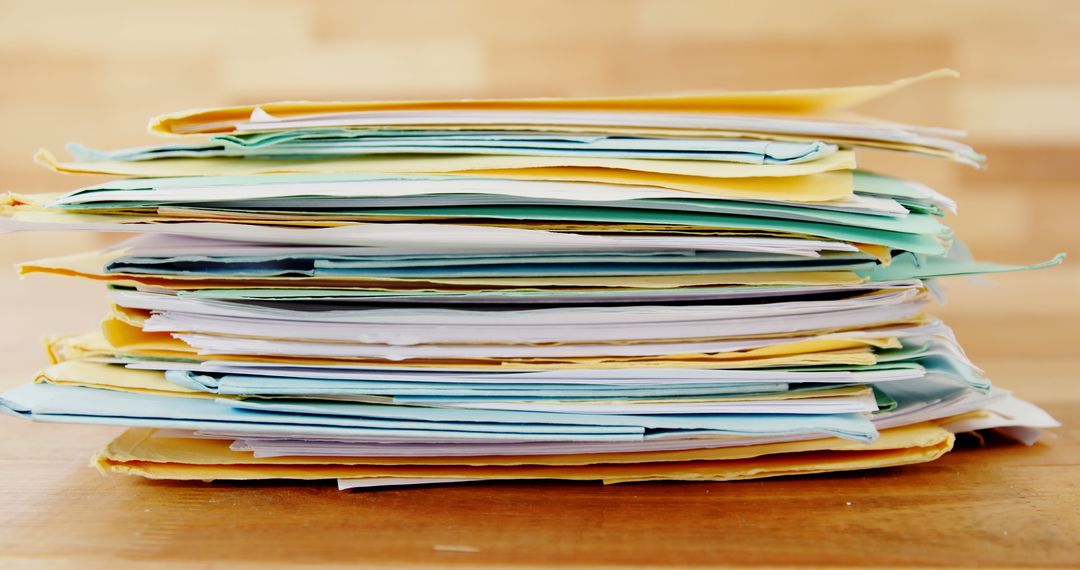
[(93, 72)]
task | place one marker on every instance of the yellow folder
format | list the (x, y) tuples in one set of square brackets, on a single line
[(799, 101), (139, 452)]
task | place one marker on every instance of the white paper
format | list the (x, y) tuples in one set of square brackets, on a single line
[(437, 191), (185, 307), (399, 342)]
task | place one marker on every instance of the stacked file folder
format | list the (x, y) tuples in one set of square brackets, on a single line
[(688, 287)]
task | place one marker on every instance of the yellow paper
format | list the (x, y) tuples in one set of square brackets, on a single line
[(821, 187), (112, 377), (437, 164), (880, 252), (138, 452), (780, 101)]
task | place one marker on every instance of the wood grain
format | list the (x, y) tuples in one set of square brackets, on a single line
[(998, 505), (93, 72)]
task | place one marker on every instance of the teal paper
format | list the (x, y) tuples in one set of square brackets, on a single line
[(908, 266)]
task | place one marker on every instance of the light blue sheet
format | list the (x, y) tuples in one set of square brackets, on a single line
[(242, 384), (48, 402), (72, 404), (851, 426)]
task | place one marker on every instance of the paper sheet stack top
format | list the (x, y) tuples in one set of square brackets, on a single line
[(690, 287)]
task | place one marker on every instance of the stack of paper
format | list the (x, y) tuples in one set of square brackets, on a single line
[(691, 287)]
